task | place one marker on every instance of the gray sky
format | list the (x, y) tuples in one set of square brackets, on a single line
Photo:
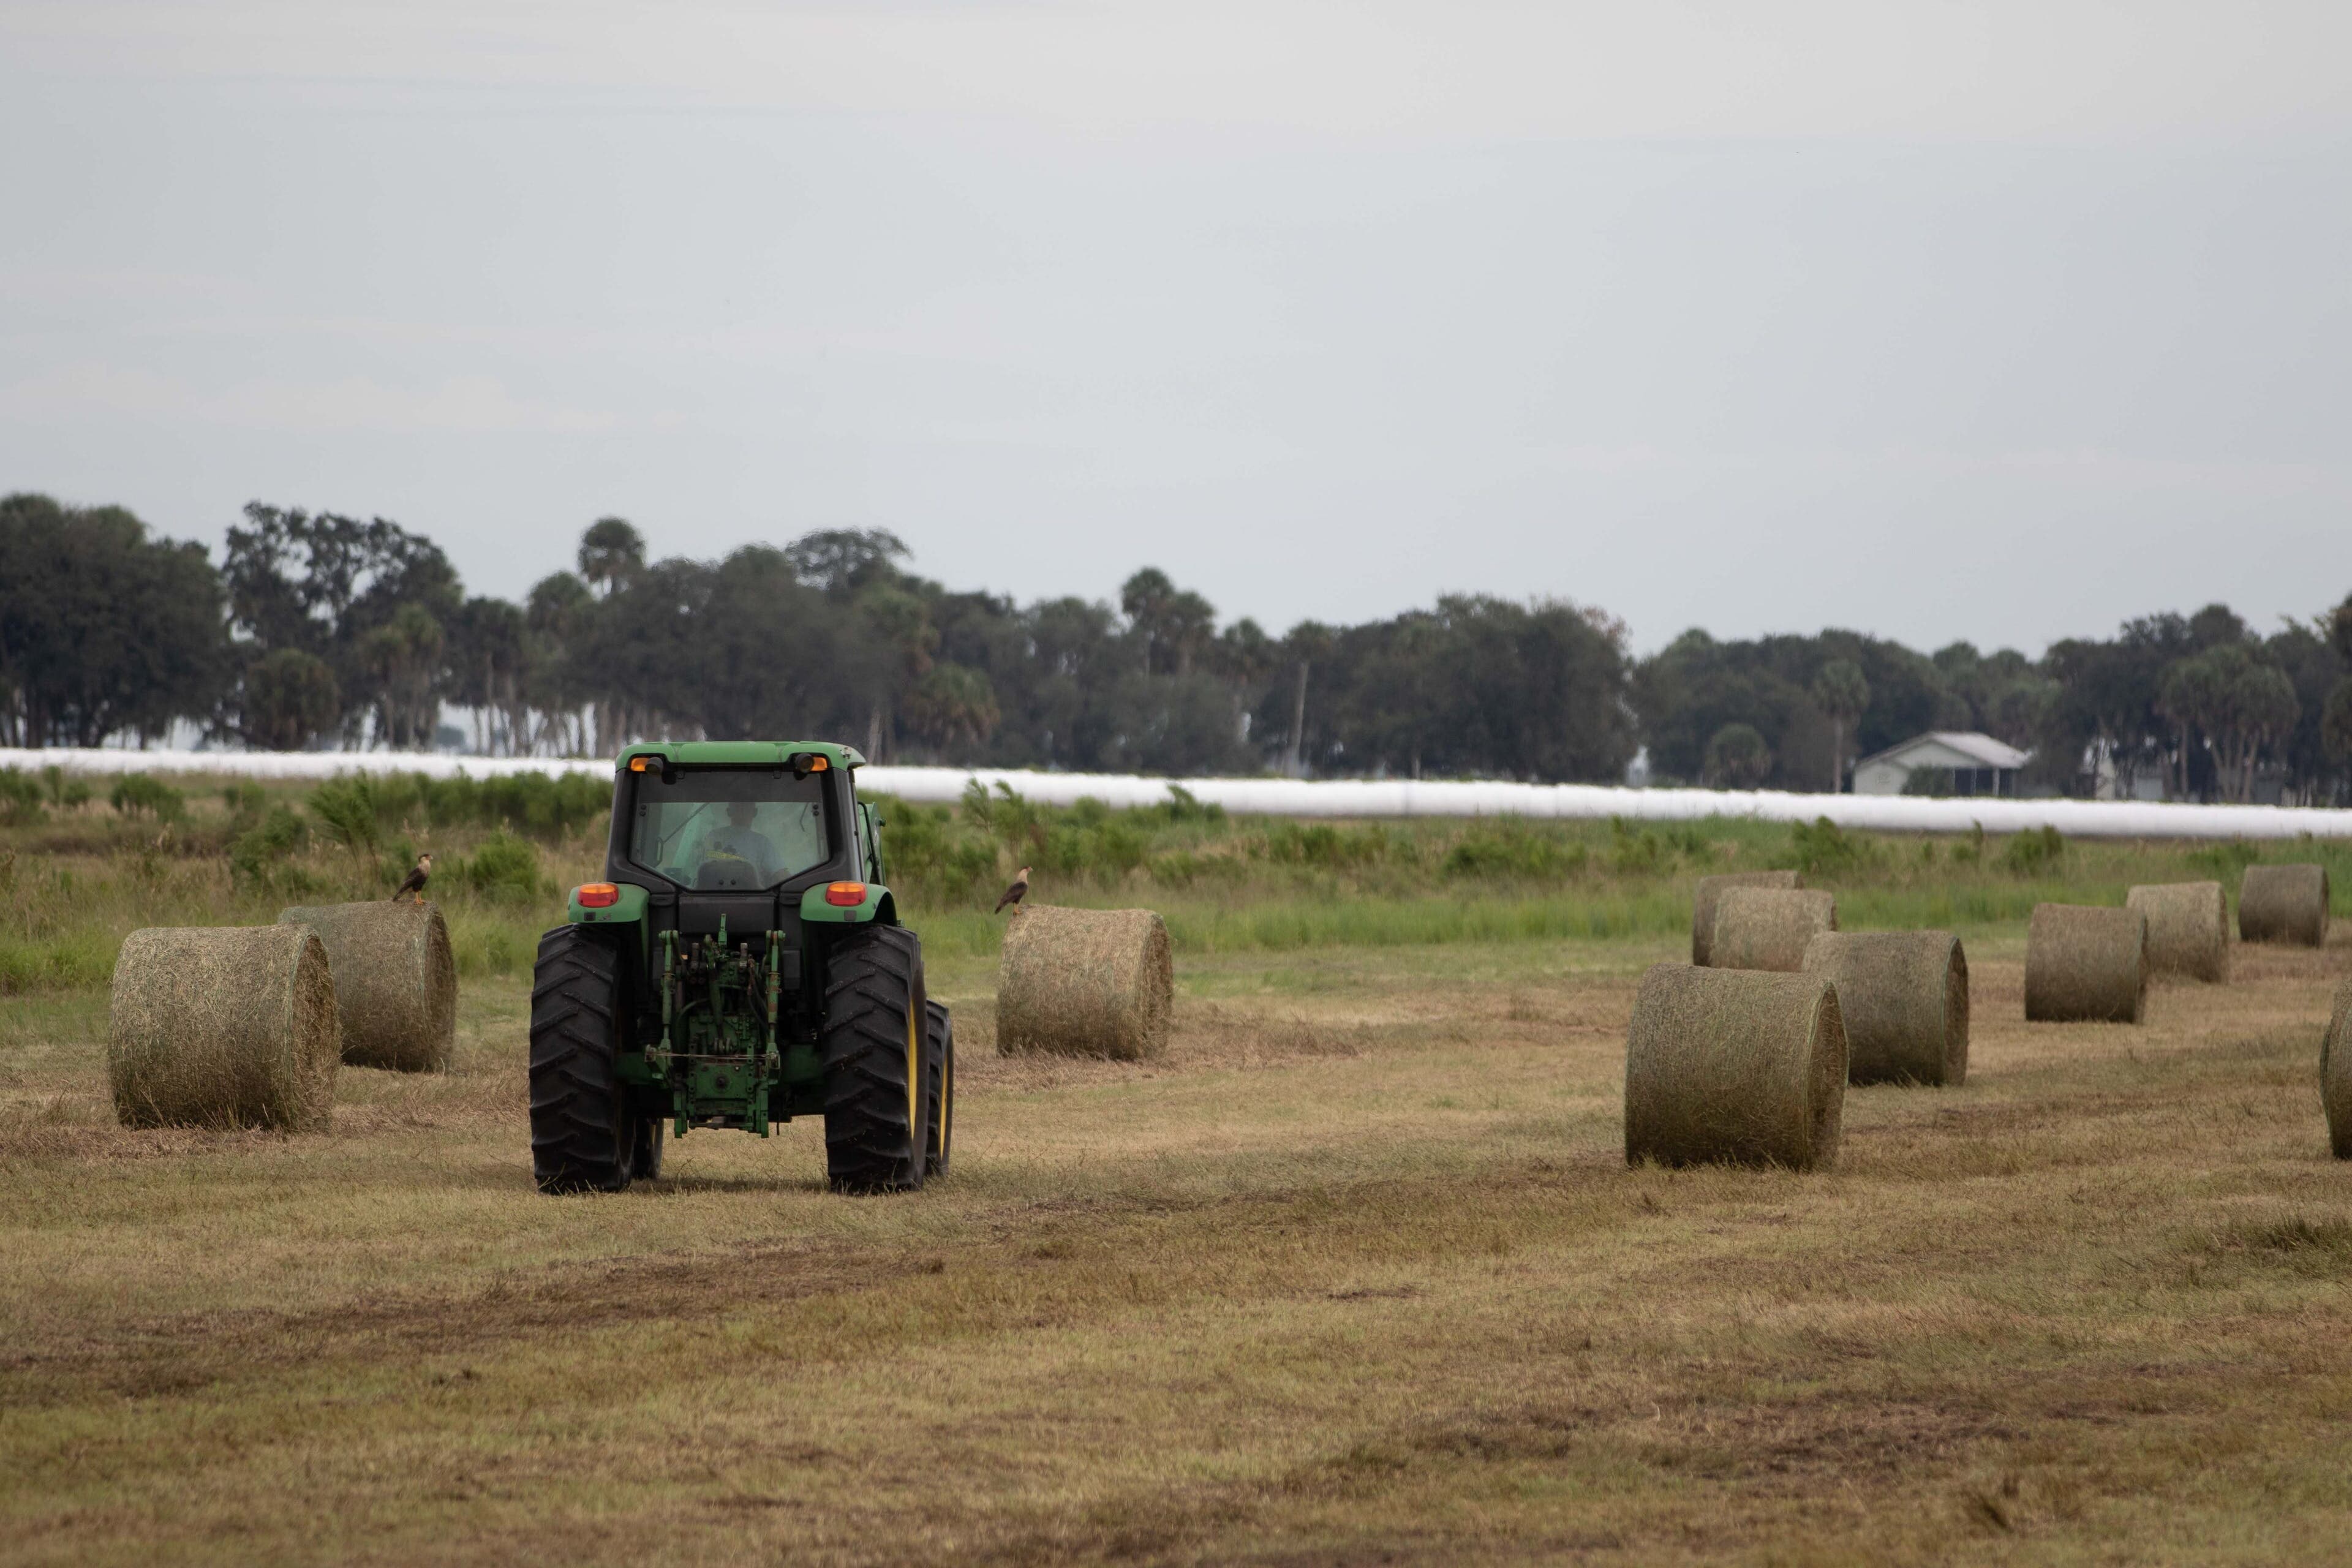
[(1996, 320)]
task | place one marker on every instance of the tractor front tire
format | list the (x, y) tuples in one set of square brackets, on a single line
[(940, 1086), (876, 1137), (582, 1131)]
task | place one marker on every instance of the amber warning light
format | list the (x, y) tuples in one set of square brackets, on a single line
[(846, 895), (598, 896)]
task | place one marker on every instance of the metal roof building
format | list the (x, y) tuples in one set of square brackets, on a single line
[(1976, 763)]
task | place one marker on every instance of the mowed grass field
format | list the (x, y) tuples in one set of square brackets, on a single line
[(1357, 1274)]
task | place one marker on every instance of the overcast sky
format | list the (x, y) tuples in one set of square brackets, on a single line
[(1991, 320)]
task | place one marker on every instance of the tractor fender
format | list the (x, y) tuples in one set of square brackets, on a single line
[(627, 910), (877, 906)]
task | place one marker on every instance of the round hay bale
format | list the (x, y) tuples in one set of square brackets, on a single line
[(224, 1027), (2187, 928), (1904, 998), (1768, 928), (1084, 982), (2086, 966), (2335, 1073), (395, 981), (1710, 889), (2283, 903), (1734, 1066)]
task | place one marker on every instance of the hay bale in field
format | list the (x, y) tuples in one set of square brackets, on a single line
[(224, 1027), (1904, 998), (395, 981), (1084, 982), (2086, 964), (1768, 928), (1710, 889), (2335, 1073), (2187, 928), (2283, 903), (1734, 1066)]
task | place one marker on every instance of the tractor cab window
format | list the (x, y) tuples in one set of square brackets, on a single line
[(716, 829)]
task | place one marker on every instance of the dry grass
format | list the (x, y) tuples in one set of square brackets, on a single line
[(1354, 1273)]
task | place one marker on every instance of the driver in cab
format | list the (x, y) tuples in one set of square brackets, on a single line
[(743, 841)]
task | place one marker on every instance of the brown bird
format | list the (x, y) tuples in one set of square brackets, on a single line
[(418, 875), (1013, 894)]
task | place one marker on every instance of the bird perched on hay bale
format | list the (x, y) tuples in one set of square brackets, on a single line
[(413, 883), (1086, 982), (395, 982), (1013, 894)]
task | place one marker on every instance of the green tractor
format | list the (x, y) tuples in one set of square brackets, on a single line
[(741, 964)]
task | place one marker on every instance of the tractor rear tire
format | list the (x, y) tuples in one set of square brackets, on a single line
[(877, 1139), (940, 1086), (580, 1129)]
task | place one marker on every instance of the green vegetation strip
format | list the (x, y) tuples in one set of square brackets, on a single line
[(78, 873)]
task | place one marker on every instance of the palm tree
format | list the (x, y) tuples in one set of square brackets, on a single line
[(1840, 692), (611, 552)]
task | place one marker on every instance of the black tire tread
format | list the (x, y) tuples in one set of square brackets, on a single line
[(939, 1041), (579, 1136), (874, 979)]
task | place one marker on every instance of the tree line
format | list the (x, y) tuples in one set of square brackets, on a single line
[(320, 630)]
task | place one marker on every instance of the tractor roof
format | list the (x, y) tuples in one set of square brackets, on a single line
[(739, 753)]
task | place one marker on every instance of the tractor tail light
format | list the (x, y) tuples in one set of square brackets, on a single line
[(598, 896), (846, 894), (639, 764)]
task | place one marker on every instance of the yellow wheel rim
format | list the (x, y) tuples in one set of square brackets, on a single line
[(914, 1072)]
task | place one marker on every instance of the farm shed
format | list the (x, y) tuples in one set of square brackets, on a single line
[(1969, 764)]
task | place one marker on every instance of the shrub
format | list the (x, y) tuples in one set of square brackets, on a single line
[(2226, 861), (1824, 849), (1182, 868), (1180, 807), (2032, 853), (914, 839), (245, 802), (143, 794), (66, 792), (259, 857), (1509, 850), (970, 867), (1110, 849), (1322, 845), (504, 869), (346, 810), (20, 796), (1004, 815)]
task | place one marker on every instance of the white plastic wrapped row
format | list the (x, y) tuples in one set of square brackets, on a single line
[(1349, 798)]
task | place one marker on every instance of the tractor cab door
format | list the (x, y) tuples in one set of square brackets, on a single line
[(869, 843)]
